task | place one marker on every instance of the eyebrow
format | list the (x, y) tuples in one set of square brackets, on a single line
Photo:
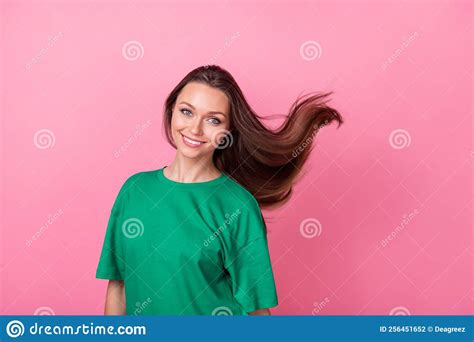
[(211, 112)]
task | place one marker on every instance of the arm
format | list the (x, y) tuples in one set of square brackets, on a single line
[(115, 298), (260, 312)]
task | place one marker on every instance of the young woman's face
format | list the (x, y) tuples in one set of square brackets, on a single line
[(201, 114)]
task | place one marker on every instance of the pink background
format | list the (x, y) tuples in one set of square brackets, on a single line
[(402, 76)]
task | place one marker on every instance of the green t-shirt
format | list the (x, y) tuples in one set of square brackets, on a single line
[(188, 248)]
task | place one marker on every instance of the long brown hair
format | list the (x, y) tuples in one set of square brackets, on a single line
[(264, 161)]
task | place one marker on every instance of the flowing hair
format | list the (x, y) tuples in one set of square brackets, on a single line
[(266, 162)]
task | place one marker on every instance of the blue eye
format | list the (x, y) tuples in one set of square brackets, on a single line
[(185, 112), (216, 123)]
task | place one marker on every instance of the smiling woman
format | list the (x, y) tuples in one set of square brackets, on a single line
[(227, 165), (208, 106), (199, 119), (199, 122)]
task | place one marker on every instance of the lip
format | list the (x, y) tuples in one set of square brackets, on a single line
[(189, 144)]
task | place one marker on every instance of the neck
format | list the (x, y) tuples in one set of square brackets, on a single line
[(188, 170)]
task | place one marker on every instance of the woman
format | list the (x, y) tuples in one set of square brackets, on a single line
[(190, 238)]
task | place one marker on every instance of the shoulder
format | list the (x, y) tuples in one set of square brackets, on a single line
[(240, 192), (251, 224), (242, 198), (138, 179)]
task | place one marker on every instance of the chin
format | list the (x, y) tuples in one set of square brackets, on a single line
[(191, 155)]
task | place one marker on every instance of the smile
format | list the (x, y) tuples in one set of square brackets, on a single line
[(190, 142)]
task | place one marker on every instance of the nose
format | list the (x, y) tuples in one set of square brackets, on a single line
[(196, 128)]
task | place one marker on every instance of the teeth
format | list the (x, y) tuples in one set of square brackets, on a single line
[(192, 141)]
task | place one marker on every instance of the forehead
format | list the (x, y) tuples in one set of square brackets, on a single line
[(204, 98)]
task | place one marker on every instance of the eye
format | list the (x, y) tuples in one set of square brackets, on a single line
[(185, 110), (216, 121)]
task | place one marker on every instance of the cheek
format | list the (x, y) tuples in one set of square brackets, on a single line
[(215, 134), (177, 121)]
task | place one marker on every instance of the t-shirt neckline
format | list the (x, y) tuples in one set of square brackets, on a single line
[(161, 176)]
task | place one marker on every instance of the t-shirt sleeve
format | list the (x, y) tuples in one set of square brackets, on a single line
[(247, 260), (111, 263)]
